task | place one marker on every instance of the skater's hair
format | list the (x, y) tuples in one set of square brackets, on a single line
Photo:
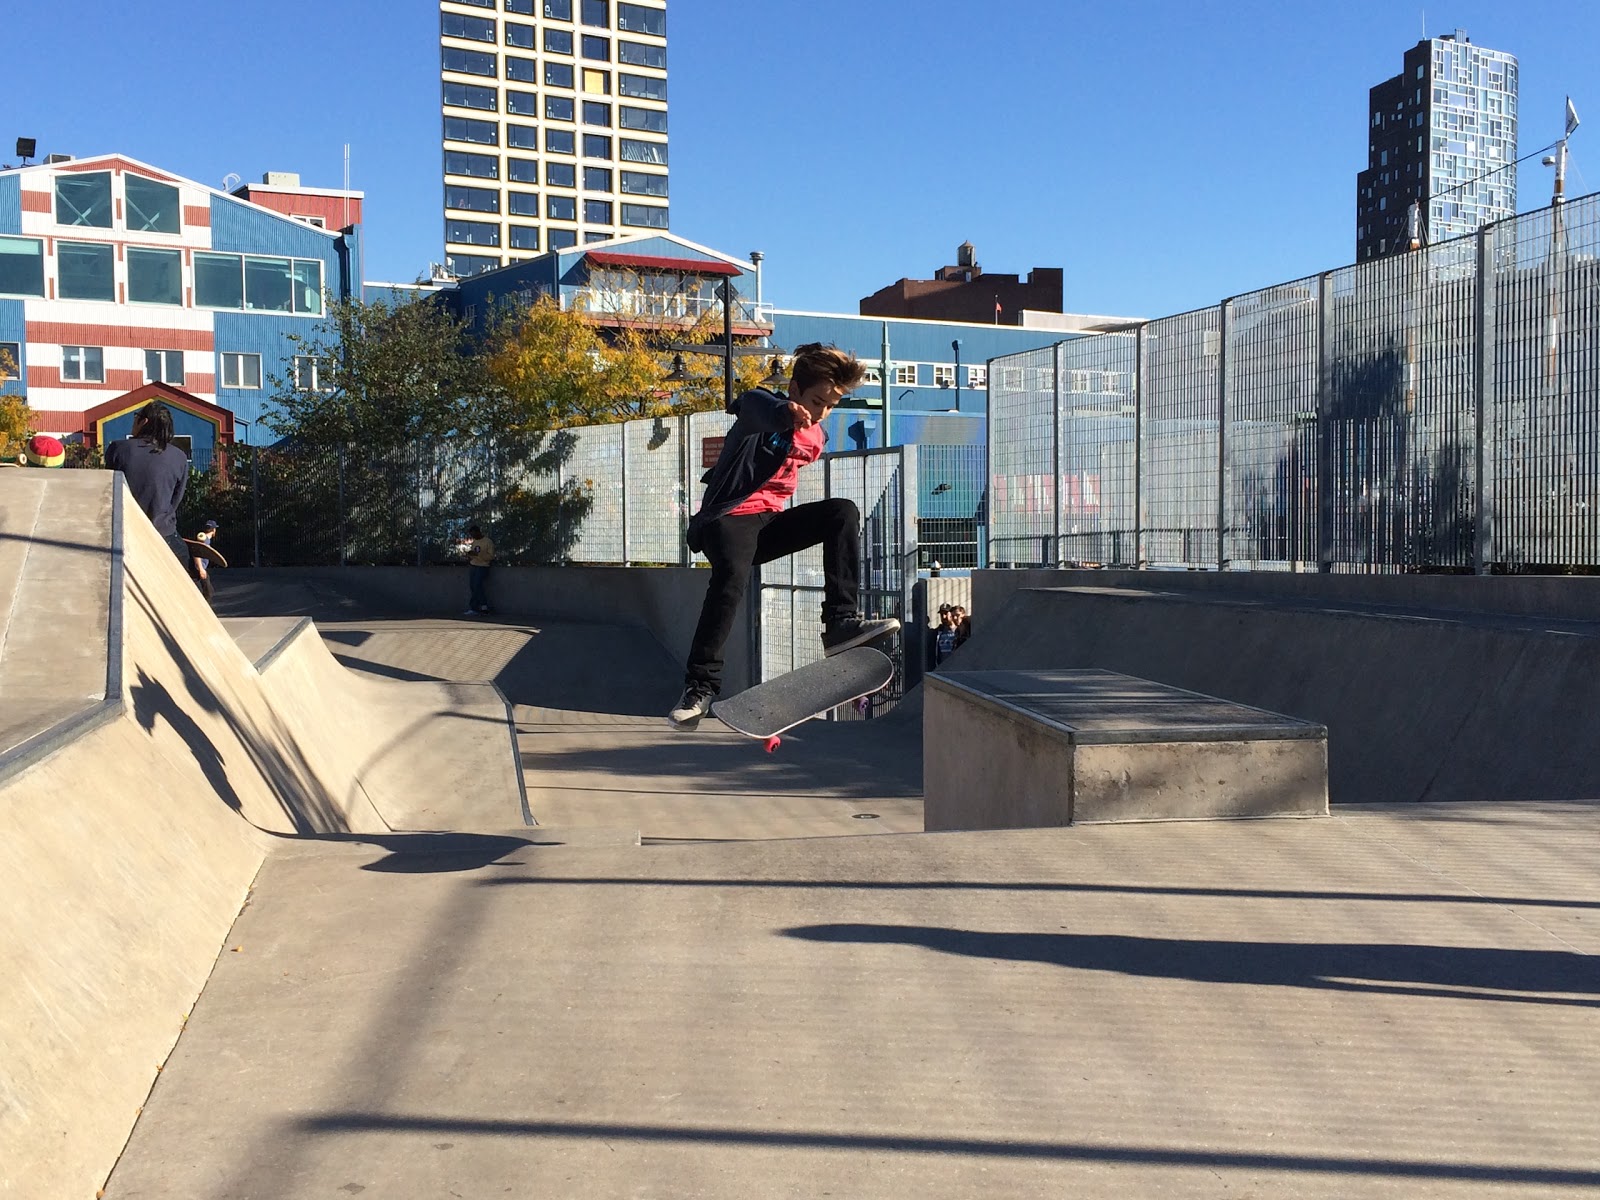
[(816, 363), (154, 421), (474, 531)]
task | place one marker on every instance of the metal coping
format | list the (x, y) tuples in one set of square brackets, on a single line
[(282, 644), (1275, 728)]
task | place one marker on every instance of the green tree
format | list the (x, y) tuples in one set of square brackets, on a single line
[(16, 418)]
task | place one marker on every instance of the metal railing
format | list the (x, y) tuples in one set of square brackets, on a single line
[(1432, 411), (665, 306)]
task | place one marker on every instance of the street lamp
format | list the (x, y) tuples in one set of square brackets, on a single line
[(726, 349)]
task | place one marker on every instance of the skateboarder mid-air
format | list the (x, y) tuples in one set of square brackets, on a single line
[(744, 519)]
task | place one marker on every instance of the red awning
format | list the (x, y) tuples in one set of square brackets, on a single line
[(688, 266)]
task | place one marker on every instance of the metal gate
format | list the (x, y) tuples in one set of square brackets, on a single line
[(788, 614)]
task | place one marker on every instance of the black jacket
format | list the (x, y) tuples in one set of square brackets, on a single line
[(756, 446), (156, 478)]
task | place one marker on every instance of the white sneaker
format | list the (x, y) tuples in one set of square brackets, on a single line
[(471, 612), (691, 706)]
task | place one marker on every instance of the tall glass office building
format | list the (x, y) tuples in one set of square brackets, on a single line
[(555, 125), (1439, 133)]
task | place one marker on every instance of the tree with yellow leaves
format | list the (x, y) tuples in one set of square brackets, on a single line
[(16, 418)]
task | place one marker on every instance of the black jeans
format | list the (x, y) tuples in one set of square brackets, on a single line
[(735, 545)]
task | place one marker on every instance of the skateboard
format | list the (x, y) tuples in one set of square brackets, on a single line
[(205, 551), (778, 705)]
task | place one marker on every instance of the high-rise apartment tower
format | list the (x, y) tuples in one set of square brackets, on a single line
[(555, 125), (1443, 134)]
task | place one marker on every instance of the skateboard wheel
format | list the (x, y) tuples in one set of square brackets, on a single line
[(773, 743)]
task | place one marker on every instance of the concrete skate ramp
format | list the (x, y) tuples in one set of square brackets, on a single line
[(146, 764), (1419, 705)]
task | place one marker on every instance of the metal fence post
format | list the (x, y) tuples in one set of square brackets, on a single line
[(1055, 455), (344, 551), (1483, 391), (1324, 475), (1224, 325), (255, 510), (622, 431), (1140, 559)]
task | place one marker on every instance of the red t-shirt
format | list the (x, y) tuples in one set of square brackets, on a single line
[(773, 496)]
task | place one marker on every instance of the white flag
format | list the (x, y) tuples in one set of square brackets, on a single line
[(1572, 117)]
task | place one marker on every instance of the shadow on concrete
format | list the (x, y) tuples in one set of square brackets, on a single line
[(1456, 972), (1005, 1148), (430, 853)]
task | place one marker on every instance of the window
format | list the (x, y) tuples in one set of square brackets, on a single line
[(465, 129), (478, 166), (524, 237), (471, 199), (563, 208), (523, 204), (241, 371), (522, 104), (560, 141), (464, 265), (595, 113), (596, 83), (597, 13), (905, 373), (642, 183), (267, 286), (305, 373), (871, 377), (978, 377), (560, 175), (522, 170), (152, 207), (470, 95), (164, 366), (21, 266), (10, 360), (218, 280), (596, 179), (597, 212), (641, 87), (523, 8), (83, 364), (562, 239), (522, 137), (652, 120), (597, 48), (84, 200), (636, 18), (647, 215), (519, 35), (558, 108), (469, 62), (521, 70), (558, 41), (643, 152), (944, 375), (472, 29), (477, 3), (86, 271), (557, 75), (472, 233), (155, 276), (558, 10), (596, 145), (637, 54)]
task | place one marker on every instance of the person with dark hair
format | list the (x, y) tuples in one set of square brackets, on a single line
[(479, 550), (745, 519), (157, 472), (200, 565)]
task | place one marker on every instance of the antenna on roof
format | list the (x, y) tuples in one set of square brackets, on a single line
[(231, 181)]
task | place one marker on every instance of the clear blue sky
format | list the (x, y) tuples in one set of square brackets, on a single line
[(1165, 153)]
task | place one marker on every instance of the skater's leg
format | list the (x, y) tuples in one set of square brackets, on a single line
[(730, 546), (835, 525)]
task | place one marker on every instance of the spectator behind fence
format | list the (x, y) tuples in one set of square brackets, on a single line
[(944, 637), (963, 624), (480, 556), (157, 472)]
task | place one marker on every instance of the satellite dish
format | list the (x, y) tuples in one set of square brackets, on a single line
[(231, 181)]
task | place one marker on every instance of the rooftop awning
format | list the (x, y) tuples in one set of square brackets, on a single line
[(651, 262)]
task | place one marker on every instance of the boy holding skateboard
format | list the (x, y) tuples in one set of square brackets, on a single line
[(745, 519)]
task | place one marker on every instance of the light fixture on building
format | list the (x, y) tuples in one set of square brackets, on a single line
[(677, 374), (776, 376), (26, 149)]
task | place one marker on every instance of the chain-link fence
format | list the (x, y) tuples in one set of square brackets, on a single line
[(1437, 410)]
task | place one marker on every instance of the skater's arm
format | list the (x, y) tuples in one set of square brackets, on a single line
[(770, 413)]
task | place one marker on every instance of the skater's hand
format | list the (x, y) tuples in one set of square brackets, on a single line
[(803, 418)]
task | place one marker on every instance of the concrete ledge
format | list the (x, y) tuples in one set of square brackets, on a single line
[(1030, 749)]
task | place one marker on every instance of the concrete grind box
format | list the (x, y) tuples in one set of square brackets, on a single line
[(1029, 749)]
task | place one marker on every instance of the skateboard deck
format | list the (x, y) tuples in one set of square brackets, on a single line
[(206, 551), (770, 708)]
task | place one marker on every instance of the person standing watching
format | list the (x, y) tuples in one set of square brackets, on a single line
[(200, 565), (480, 555), (157, 472)]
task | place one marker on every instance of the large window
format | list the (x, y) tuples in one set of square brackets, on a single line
[(559, 108), (597, 179), (258, 284), (155, 276), (306, 373), (523, 204), (596, 145), (522, 170), (597, 13), (470, 95), (471, 199), (558, 41), (87, 271), (638, 54), (557, 75), (21, 266), (558, 10), (560, 141), (596, 113), (645, 215), (476, 166), (466, 129), (519, 35), (473, 29), (636, 18), (84, 200), (472, 233), (522, 137), (643, 152), (563, 239), (524, 237), (560, 175), (563, 208), (597, 48), (10, 360), (152, 207), (522, 104), (597, 212), (164, 366), (641, 87), (218, 280), (241, 371), (267, 285), (464, 265), (651, 120), (83, 364), (522, 8), (522, 70), (470, 62), (642, 183), (596, 83)]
